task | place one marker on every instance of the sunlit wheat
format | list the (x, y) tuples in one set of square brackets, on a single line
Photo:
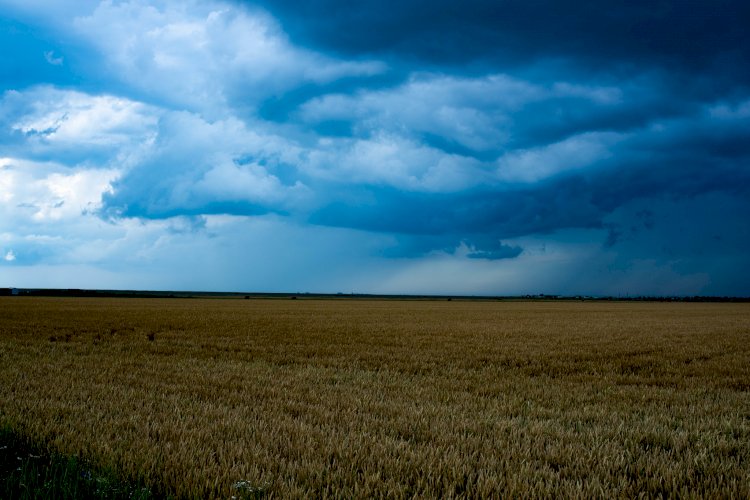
[(348, 398)]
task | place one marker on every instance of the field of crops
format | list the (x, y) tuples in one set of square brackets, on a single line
[(355, 398)]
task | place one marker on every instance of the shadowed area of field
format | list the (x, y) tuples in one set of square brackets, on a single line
[(213, 398)]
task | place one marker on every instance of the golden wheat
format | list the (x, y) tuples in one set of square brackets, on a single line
[(354, 398)]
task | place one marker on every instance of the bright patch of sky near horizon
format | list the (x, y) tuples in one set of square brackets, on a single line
[(338, 147)]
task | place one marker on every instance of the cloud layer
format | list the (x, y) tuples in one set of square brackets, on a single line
[(424, 149)]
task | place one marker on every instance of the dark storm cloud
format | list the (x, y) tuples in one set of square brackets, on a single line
[(555, 119), (693, 35), (674, 168), (505, 214), (646, 72), (615, 132)]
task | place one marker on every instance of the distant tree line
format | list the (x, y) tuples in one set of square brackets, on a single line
[(75, 292)]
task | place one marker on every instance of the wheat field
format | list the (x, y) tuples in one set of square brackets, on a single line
[(217, 398)]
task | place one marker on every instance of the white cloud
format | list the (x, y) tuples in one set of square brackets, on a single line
[(573, 153), (474, 112), (395, 161), (49, 56), (200, 55), (32, 192), (194, 163), (82, 127), (48, 213), (471, 112), (69, 117), (230, 181), (10, 256), (177, 159)]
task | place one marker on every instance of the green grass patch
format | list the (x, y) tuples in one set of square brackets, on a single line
[(29, 471)]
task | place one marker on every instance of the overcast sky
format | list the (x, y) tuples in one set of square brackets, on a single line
[(475, 147)]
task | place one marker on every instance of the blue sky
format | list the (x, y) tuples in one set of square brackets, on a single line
[(474, 147)]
